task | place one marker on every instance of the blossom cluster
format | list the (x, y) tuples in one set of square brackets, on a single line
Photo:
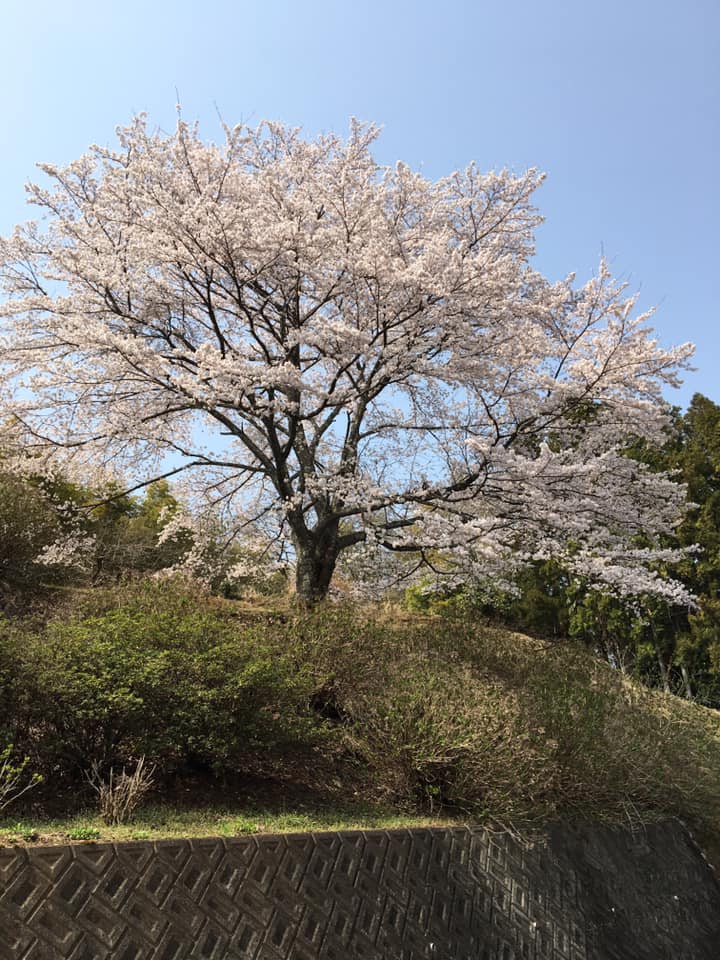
[(365, 354)]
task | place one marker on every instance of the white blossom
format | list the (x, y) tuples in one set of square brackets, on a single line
[(361, 353)]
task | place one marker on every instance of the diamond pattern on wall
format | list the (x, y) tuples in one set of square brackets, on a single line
[(590, 893)]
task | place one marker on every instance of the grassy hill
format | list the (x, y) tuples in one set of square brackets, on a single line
[(418, 716)]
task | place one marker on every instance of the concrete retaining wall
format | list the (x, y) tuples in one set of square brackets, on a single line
[(591, 893)]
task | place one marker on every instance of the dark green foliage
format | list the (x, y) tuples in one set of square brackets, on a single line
[(160, 675), (126, 530), (671, 647), (36, 512), (542, 607), (29, 522)]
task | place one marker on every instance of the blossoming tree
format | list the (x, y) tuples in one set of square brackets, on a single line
[(356, 353)]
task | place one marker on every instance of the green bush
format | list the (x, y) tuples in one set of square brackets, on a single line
[(160, 675)]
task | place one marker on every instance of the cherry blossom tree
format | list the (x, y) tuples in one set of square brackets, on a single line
[(355, 355)]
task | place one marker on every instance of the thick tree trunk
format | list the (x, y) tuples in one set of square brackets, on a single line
[(316, 557)]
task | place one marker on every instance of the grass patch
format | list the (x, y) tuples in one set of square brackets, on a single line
[(162, 821)]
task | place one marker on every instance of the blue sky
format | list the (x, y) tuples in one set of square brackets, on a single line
[(618, 102)]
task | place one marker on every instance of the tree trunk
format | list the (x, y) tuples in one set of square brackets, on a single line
[(664, 675), (686, 682), (316, 557)]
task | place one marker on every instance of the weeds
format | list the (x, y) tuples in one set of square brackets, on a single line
[(120, 794), (83, 833)]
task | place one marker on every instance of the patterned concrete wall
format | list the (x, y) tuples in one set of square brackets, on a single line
[(455, 894)]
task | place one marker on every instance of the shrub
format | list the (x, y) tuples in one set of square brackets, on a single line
[(15, 779), (160, 675), (475, 716), (120, 794)]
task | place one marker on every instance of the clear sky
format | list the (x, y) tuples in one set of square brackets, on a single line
[(618, 102)]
